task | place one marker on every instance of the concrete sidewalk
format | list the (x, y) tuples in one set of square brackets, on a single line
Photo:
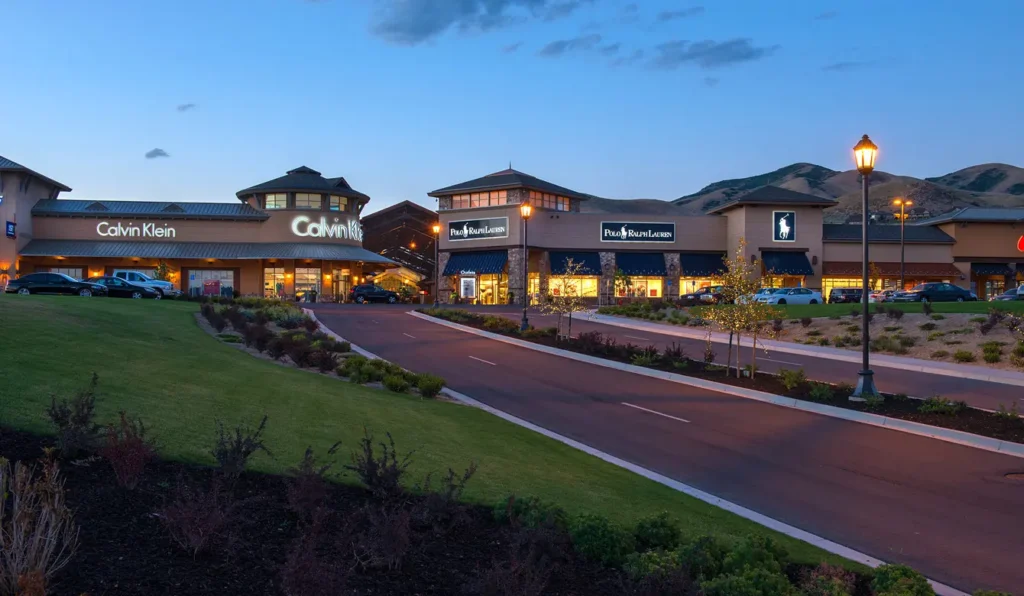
[(963, 371)]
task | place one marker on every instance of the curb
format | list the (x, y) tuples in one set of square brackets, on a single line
[(911, 364), (736, 509), (914, 428)]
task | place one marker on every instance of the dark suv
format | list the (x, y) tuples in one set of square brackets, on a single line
[(53, 283), (705, 295), (844, 296), (371, 293)]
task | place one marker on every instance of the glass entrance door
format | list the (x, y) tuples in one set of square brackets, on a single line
[(467, 288), (273, 282)]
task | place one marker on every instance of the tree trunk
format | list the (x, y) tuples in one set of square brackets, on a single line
[(568, 334), (739, 342), (728, 358), (753, 357)]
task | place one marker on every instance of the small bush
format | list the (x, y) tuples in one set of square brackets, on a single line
[(828, 580), (823, 341), (127, 449), (198, 519), (938, 354), (1018, 350), (934, 335), (675, 353), (992, 357), (73, 420), (703, 557), (844, 389), (276, 348), (217, 321), (430, 386), (814, 333), (927, 308), (396, 383), (964, 356), (938, 317), (657, 532), (893, 328), (953, 342), (873, 402), (232, 452), (839, 341), (385, 538), (751, 581), (442, 508), (643, 359), (940, 405), (307, 487), (500, 324), (821, 392), (806, 322), (653, 563), (381, 474), (777, 326), (792, 379), (599, 540), (300, 353), (907, 341), (530, 512), (310, 324), (309, 568), (1012, 414), (977, 320), (900, 580), (894, 314), (324, 360), (927, 326), (756, 552)]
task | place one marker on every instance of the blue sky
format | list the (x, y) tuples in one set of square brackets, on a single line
[(623, 99)]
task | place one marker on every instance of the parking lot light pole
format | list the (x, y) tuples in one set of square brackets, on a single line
[(864, 153), (903, 204), (437, 263), (526, 211)]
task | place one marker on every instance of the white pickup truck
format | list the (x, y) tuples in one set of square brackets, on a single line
[(165, 288)]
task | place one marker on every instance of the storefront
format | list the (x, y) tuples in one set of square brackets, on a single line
[(289, 237)]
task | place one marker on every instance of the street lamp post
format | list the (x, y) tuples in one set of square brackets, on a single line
[(526, 211), (903, 204), (437, 263), (864, 153)]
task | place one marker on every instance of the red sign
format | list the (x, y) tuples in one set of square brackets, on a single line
[(1020, 244), (211, 287)]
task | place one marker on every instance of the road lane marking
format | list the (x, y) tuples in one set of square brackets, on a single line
[(635, 337), (783, 361), (484, 361), (407, 335), (653, 412)]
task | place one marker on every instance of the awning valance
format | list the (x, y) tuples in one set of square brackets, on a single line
[(701, 264), (590, 261), (889, 269), (991, 269), (200, 250), (479, 262), (641, 263), (786, 263)]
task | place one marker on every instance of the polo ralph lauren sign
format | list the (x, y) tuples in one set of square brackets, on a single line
[(637, 231), (478, 229), (783, 226)]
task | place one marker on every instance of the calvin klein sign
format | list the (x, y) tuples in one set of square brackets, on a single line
[(304, 226), (146, 230), (783, 226), (638, 231), (478, 229)]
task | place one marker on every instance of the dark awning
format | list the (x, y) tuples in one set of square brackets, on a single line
[(641, 263), (991, 269), (486, 261), (200, 250), (786, 263), (701, 264), (591, 262), (889, 269)]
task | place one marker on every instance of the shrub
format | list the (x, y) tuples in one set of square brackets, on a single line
[(430, 385), (643, 359), (978, 319), (756, 552), (442, 508), (821, 392), (834, 317), (657, 532), (310, 323), (38, 535), (873, 402), (307, 489), (806, 322), (396, 383), (937, 317), (73, 419), (675, 353), (844, 389), (276, 348), (217, 321), (828, 580), (963, 356), (342, 346), (1012, 414), (894, 314), (530, 512), (381, 474), (310, 569), (813, 333), (893, 328), (927, 326), (1018, 350), (324, 360), (937, 354), (656, 563), (232, 452), (839, 341), (500, 325), (940, 405), (777, 325), (792, 379), (300, 353), (703, 557), (907, 341), (598, 539), (291, 321), (990, 593), (385, 539), (749, 582), (590, 342), (1017, 361), (823, 341), (927, 308), (991, 357), (127, 449), (934, 335), (198, 519), (900, 580)]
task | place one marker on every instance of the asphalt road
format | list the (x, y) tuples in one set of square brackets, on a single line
[(947, 510)]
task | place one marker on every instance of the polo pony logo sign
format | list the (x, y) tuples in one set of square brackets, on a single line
[(783, 226), (478, 229), (638, 231)]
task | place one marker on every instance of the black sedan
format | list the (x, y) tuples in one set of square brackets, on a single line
[(705, 295), (364, 293), (53, 283), (119, 288), (935, 292)]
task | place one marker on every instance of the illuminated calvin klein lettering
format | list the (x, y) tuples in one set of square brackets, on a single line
[(350, 230), (146, 230)]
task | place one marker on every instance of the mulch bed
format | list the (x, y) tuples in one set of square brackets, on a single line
[(125, 549)]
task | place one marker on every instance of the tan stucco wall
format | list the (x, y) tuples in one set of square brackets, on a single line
[(889, 253), (17, 208), (986, 240), (754, 224)]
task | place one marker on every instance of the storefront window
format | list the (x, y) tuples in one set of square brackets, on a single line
[(994, 286), (584, 286), (308, 201), (828, 283), (341, 283), (307, 279), (493, 289), (73, 272), (480, 199), (689, 285), (533, 286), (273, 282), (642, 287), (211, 282), (339, 203), (549, 201), (276, 201), (467, 288)]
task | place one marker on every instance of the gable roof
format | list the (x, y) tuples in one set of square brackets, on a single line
[(885, 233), (396, 207), (303, 179), (7, 165), (180, 210), (976, 214), (507, 179), (774, 195)]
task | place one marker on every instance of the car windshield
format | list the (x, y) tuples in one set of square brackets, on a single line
[(782, 291), (766, 291), (65, 276), (918, 288)]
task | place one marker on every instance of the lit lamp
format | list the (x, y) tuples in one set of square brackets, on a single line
[(437, 275), (864, 153), (902, 204), (526, 210)]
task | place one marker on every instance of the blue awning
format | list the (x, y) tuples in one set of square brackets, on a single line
[(487, 261), (991, 269), (786, 263), (641, 263), (591, 262), (701, 264)]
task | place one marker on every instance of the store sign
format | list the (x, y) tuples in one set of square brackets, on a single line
[(636, 231), (11, 229), (306, 227), (1020, 241), (146, 230), (478, 229), (783, 226)]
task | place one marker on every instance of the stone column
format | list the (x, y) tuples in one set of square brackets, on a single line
[(443, 284), (672, 268), (607, 276), (544, 269), (515, 275)]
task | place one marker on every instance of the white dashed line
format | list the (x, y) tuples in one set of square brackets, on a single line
[(653, 412), (782, 361), (635, 337), (407, 335), (482, 360)]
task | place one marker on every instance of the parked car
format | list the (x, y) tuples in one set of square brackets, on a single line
[(119, 288), (1006, 296), (165, 288), (935, 292), (791, 296), (753, 297), (372, 293), (845, 295), (881, 295), (705, 295), (53, 283)]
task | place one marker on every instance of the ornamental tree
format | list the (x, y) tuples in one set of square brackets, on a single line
[(569, 298)]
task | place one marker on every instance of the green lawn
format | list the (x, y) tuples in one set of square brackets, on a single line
[(155, 362), (796, 311)]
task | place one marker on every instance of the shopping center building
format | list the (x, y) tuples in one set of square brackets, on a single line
[(285, 237)]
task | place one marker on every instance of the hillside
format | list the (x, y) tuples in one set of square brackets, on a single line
[(989, 177)]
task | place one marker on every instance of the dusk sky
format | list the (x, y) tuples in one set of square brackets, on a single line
[(194, 100)]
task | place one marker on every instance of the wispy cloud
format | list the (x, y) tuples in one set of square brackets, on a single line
[(674, 15), (631, 59), (186, 107), (512, 47), (847, 66), (711, 81), (629, 14), (824, 16), (610, 49), (562, 46), (155, 153), (709, 54)]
